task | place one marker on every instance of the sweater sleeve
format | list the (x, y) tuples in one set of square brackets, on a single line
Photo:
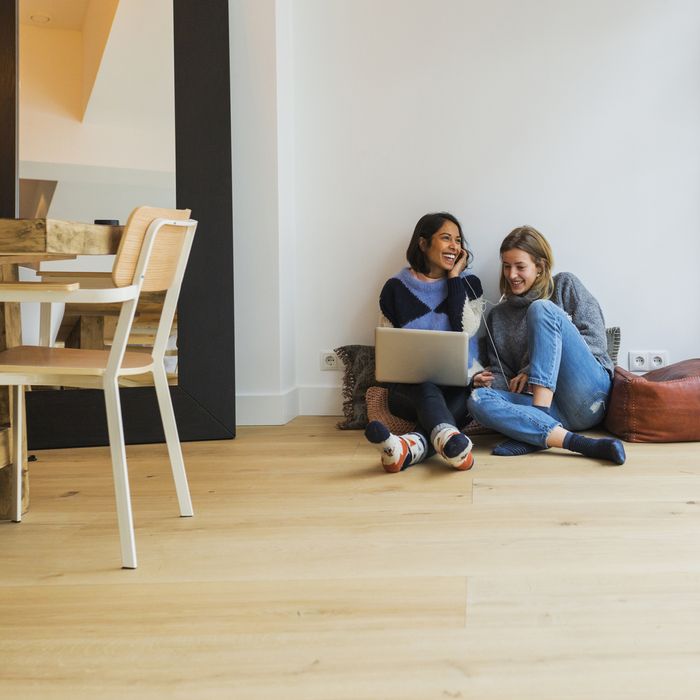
[(585, 313), (387, 304), (465, 303), (456, 299), (474, 307), (384, 322)]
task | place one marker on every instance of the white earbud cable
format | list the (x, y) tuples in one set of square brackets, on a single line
[(486, 325)]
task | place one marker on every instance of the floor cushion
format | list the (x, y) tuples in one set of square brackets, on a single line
[(378, 409), (659, 406)]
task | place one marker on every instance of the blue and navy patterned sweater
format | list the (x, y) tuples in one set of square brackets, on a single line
[(447, 304)]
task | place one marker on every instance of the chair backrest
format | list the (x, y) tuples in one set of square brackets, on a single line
[(166, 252)]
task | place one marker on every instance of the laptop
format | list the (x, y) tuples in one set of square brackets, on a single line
[(413, 356)]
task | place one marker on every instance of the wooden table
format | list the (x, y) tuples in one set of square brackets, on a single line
[(26, 243)]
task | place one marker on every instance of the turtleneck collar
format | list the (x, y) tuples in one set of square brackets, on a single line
[(519, 301)]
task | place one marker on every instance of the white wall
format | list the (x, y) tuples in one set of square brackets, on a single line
[(580, 118), (262, 347)]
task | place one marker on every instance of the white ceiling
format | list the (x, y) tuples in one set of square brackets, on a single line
[(64, 14)]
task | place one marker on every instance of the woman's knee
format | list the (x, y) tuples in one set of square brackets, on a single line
[(428, 390), (475, 403), (541, 308), (586, 413)]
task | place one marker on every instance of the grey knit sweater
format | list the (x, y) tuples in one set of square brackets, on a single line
[(508, 327)]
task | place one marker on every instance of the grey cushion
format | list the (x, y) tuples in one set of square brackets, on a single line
[(614, 336), (358, 376)]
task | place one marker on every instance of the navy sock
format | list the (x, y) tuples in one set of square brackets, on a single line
[(514, 448), (456, 444), (599, 448), (377, 432), (453, 446)]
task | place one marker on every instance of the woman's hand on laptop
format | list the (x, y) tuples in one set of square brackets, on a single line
[(483, 378)]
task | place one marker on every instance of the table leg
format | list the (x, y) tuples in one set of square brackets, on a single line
[(10, 336)]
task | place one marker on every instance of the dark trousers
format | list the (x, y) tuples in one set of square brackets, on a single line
[(429, 405)]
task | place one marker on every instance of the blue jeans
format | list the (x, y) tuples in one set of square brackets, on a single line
[(560, 360)]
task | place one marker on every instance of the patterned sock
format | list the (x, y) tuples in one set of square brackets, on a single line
[(515, 448), (398, 451), (600, 448), (453, 446)]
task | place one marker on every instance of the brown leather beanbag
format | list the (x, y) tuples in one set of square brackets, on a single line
[(659, 406)]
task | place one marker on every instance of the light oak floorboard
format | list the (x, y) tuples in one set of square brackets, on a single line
[(308, 573)]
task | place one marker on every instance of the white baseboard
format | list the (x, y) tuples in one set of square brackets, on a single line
[(320, 401), (278, 409)]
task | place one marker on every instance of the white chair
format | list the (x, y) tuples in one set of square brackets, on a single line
[(152, 256)]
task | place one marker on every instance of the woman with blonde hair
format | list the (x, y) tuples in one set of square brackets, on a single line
[(550, 373)]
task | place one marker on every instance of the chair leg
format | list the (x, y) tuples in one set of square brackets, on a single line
[(172, 439), (45, 324), (120, 474), (17, 452)]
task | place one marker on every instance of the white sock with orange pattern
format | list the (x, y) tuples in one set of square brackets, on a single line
[(398, 451)]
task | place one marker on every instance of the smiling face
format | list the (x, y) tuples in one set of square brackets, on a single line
[(519, 270), (526, 264), (442, 250)]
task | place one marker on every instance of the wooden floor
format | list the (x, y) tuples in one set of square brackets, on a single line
[(307, 573)]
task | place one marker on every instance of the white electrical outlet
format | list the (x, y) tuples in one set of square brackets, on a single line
[(658, 358), (646, 360), (329, 361), (638, 360)]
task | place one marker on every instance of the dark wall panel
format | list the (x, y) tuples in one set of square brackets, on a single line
[(204, 184), (8, 108)]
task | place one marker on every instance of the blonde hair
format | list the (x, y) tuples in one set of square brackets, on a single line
[(532, 242)]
